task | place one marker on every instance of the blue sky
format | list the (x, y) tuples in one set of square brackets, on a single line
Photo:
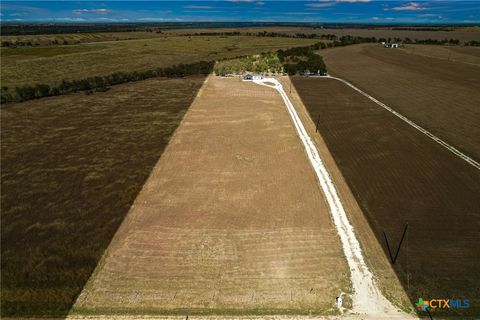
[(364, 11)]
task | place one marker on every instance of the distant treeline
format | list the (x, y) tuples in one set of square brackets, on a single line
[(331, 37), (266, 34), (19, 28), (101, 83), (29, 43), (30, 29), (424, 28)]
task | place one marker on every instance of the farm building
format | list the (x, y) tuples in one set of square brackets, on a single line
[(256, 76), (391, 45), (317, 73)]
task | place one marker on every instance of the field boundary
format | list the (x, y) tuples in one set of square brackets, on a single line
[(450, 148)]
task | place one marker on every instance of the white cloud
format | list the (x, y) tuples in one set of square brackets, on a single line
[(97, 11), (412, 6), (375, 18), (259, 3), (244, 1)]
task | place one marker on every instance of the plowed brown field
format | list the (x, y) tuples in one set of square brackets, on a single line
[(71, 167), (399, 175), (440, 95), (231, 220)]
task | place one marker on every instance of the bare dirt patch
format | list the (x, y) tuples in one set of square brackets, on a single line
[(231, 220), (398, 175)]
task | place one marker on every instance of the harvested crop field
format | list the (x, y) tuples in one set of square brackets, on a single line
[(440, 95), (71, 168), (231, 220), (399, 175), (50, 65)]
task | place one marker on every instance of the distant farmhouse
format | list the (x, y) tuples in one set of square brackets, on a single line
[(249, 76), (390, 45), (313, 73)]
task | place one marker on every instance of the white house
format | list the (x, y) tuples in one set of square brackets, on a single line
[(257, 76), (391, 45)]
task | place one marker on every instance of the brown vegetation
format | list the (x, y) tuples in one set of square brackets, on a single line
[(71, 168)]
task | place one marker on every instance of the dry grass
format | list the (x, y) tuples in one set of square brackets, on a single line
[(440, 95), (398, 175), (22, 66), (231, 220), (84, 37), (71, 168)]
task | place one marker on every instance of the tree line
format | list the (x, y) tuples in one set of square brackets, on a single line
[(473, 43), (297, 60), (101, 83), (345, 39), (29, 43), (303, 60)]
